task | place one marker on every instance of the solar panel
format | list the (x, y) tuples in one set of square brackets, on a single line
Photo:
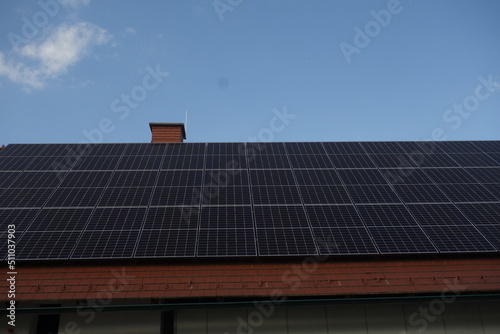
[(96, 201)]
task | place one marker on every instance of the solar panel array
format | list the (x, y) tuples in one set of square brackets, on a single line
[(97, 201)]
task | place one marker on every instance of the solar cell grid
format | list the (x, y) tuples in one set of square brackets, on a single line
[(275, 195), (226, 217), (453, 239), (172, 218), (362, 176), (433, 160), (105, 244), (406, 176), (271, 177), (220, 177), (271, 217), (16, 150), (343, 148), (317, 177), (95, 150), (129, 162), (63, 220), (386, 215), (473, 160), (14, 163), (166, 243), (382, 147), (217, 195), (275, 242), (85, 179), (437, 214), (305, 148), (310, 161), (419, 147), (46, 245), (126, 196), (449, 175), (484, 175), (352, 161), (226, 149), (226, 162), (392, 160), (372, 194), (65, 150), (8, 178), (481, 213), (467, 193), (264, 149), (324, 194), (333, 216), (268, 161), (133, 179), (180, 178), (395, 239), (145, 149), (176, 196), (25, 198), (493, 188), (488, 146), (226, 242), (97, 163), (116, 219), (421, 193), (352, 240), (185, 149), (183, 162), (36, 179), (496, 157), (74, 197), (21, 218), (457, 146), (492, 233)]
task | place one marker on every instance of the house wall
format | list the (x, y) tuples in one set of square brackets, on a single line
[(456, 318)]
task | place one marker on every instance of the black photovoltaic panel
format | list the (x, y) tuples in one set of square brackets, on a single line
[(166, 243), (420, 193), (8, 178), (268, 161), (291, 216), (310, 161), (386, 215), (481, 213), (113, 219), (269, 177), (172, 218), (372, 194), (437, 214), (180, 178), (460, 238), (344, 148), (133, 179), (183, 162), (226, 242), (75, 197), (305, 148), (323, 216), (226, 162), (85, 179), (14, 163), (226, 149), (62, 220), (279, 242), (185, 200), (25, 198), (129, 162), (323, 194), (46, 245), (485, 175), (362, 176), (352, 161), (106, 244), (317, 177), (406, 176), (225, 195), (226, 217), (492, 233), (275, 195), (449, 175), (126, 196), (397, 239), (467, 193), (344, 240)]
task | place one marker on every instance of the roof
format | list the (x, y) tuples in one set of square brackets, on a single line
[(315, 278)]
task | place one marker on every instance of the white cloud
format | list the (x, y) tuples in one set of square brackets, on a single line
[(130, 31), (50, 58), (74, 3)]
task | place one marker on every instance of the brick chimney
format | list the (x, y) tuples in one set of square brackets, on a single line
[(167, 132)]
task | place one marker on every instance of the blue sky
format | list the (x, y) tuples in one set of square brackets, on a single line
[(297, 70)]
